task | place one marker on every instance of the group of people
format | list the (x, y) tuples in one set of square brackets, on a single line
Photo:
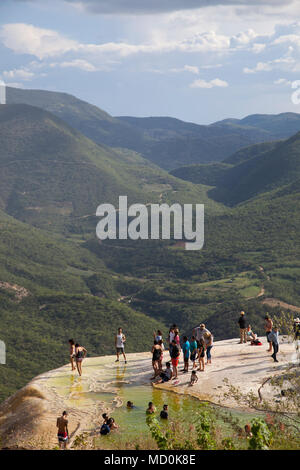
[(77, 354), (193, 350), (272, 334), (108, 425)]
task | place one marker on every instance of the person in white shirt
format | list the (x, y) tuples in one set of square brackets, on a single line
[(119, 344)]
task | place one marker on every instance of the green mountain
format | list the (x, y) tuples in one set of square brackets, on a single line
[(246, 153), (52, 289), (268, 171), (54, 177), (168, 142), (278, 126), (210, 174), (57, 281)]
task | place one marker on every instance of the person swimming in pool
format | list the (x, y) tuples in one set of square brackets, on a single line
[(164, 412), (151, 408)]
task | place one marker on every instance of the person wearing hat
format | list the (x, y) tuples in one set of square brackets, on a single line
[(199, 333), (243, 328)]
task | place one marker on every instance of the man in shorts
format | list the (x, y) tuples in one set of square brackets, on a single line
[(62, 433), (186, 353), (119, 344)]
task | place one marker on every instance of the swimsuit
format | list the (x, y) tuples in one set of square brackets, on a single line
[(62, 436), (79, 356), (156, 355)]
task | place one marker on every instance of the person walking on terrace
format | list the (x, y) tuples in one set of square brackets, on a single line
[(268, 329), (273, 337), (62, 432), (243, 327), (80, 354), (120, 345), (72, 353), (175, 353)]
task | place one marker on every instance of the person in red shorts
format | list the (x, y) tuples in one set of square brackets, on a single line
[(175, 353)]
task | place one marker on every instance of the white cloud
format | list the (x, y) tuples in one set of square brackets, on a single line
[(28, 39), (288, 38), (187, 68), (282, 62), (44, 43), (243, 38), (260, 67), (283, 81), (211, 66), (257, 48), (200, 83), (79, 64), (19, 74)]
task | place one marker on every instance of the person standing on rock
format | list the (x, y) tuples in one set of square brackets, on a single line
[(243, 328), (119, 344), (175, 353), (156, 358), (208, 338), (63, 432), (171, 337), (72, 353), (80, 354), (199, 333), (268, 329), (186, 353), (273, 337)]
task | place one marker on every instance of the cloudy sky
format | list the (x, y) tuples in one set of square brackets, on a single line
[(197, 60)]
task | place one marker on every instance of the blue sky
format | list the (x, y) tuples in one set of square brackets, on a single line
[(175, 58)]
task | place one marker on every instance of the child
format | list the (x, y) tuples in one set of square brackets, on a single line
[(130, 405), (166, 375), (273, 338), (186, 354), (201, 354), (151, 408), (112, 424), (105, 429), (193, 349), (194, 378), (164, 412)]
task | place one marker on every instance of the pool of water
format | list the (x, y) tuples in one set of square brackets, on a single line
[(112, 386)]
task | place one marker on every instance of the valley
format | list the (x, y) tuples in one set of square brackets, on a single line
[(61, 157)]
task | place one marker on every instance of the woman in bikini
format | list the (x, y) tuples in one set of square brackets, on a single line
[(156, 357), (80, 354)]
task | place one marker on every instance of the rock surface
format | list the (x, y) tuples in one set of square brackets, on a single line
[(28, 418)]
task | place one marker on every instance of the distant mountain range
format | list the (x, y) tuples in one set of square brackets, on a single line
[(52, 176), (250, 172), (61, 157), (167, 142)]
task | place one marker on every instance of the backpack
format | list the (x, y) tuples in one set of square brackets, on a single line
[(105, 429)]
